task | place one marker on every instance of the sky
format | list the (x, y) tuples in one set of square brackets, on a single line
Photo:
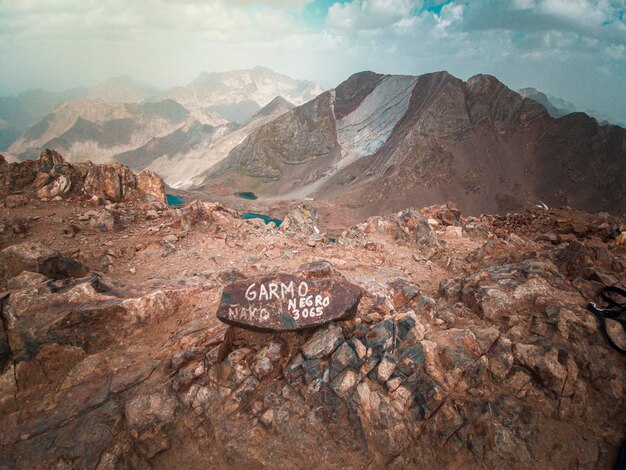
[(572, 49)]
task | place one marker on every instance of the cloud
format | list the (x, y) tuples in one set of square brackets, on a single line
[(572, 48), (369, 14), (602, 19)]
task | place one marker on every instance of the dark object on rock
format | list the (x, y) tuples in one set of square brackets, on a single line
[(284, 302), (614, 310)]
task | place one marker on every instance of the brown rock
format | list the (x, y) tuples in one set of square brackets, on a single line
[(14, 201), (345, 382), (58, 187), (36, 257), (49, 158), (402, 292), (302, 219), (284, 302), (324, 342), (148, 182)]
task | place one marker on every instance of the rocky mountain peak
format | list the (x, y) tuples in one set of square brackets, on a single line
[(278, 104), (436, 136)]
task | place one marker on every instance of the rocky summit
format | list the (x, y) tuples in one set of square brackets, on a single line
[(444, 340)]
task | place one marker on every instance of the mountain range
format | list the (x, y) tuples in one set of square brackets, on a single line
[(383, 142), (177, 132), (374, 143)]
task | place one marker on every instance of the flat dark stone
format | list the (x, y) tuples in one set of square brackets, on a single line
[(284, 302)]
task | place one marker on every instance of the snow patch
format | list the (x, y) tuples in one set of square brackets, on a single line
[(367, 128)]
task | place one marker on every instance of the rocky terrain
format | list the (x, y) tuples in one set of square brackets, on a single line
[(380, 143), (470, 345)]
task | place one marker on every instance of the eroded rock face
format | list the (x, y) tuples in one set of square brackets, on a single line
[(51, 177)]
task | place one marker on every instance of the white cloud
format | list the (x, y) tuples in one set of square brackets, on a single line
[(542, 43), (369, 14)]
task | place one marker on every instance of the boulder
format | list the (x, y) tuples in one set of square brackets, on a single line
[(108, 221), (48, 159), (445, 214), (152, 214), (303, 220), (201, 213), (412, 227), (60, 186), (38, 258), (151, 184)]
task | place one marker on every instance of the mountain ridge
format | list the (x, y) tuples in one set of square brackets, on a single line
[(243, 93), (81, 129), (465, 141)]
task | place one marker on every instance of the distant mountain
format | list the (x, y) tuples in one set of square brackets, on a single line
[(8, 134), (97, 130), (380, 142), (558, 107), (543, 99), (21, 111), (180, 132), (239, 112), (122, 90), (194, 148), (17, 113), (260, 85), (278, 106)]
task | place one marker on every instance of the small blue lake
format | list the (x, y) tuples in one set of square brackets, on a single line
[(174, 200), (267, 219), (247, 195)]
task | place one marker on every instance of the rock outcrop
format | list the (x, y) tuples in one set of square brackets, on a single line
[(51, 177), (37, 258)]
